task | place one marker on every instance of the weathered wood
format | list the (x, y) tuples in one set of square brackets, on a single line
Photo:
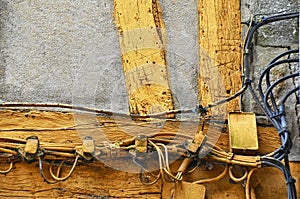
[(141, 38), (98, 180), (220, 52)]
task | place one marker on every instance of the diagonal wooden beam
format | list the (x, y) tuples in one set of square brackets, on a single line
[(141, 38)]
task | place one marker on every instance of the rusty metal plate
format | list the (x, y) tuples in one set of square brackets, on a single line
[(242, 131), (189, 191)]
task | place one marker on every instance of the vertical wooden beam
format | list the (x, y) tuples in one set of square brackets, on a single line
[(220, 51), (141, 38)]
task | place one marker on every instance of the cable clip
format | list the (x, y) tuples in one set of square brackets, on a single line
[(200, 110), (141, 143), (111, 150), (31, 150), (87, 150), (258, 161), (230, 155), (290, 180), (197, 142)]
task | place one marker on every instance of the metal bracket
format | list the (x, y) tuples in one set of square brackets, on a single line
[(242, 131), (197, 142), (87, 150), (31, 150), (141, 143)]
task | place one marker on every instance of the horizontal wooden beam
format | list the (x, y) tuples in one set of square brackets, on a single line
[(98, 180)]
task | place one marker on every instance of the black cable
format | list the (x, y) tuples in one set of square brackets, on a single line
[(252, 29), (283, 100), (266, 161), (284, 54), (267, 70), (269, 90)]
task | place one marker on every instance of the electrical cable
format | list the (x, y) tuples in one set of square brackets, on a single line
[(266, 161), (247, 187), (215, 179)]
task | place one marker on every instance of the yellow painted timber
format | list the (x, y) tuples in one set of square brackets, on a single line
[(220, 51), (141, 38)]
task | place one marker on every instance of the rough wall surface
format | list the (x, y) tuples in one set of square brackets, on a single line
[(58, 51), (270, 41), (68, 52)]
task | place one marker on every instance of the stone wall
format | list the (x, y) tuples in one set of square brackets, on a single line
[(270, 41)]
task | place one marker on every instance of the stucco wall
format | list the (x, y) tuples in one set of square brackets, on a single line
[(68, 52), (60, 51)]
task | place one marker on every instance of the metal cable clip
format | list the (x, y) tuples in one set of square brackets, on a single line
[(230, 155), (31, 150), (87, 150), (141, 143), (197, 142), (258, 161)]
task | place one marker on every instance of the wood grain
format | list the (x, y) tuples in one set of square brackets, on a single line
[(220, 51), (98, 180), (141, 38)]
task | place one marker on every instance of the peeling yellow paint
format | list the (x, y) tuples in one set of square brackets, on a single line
[(219, 40), (142, 38)]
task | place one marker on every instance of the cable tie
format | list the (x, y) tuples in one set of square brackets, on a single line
[(290, 180), (173, 148), (278, 113), (113, 151), (246, 51), (284, 149), (282, 131), (248, 81), (230, 155), (258, 161)]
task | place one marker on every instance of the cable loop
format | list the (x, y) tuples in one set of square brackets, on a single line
[(7, 170), (42, 172), (215, 179), (235, 179), (276, 114), (56, 177)]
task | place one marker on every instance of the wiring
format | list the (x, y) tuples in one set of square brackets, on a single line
[(215, 179), (247, 188)]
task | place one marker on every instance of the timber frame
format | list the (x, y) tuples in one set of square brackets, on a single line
[(37, 146)]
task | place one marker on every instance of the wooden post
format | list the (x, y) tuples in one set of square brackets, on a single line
[(220, 51), (141, 37)]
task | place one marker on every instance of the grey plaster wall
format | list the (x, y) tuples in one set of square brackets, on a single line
[(60, 51), (270, 41), (68, 52), (182, 50)]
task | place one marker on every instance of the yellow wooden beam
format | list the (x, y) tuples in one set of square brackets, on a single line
[(220, 51), (141, 38)]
